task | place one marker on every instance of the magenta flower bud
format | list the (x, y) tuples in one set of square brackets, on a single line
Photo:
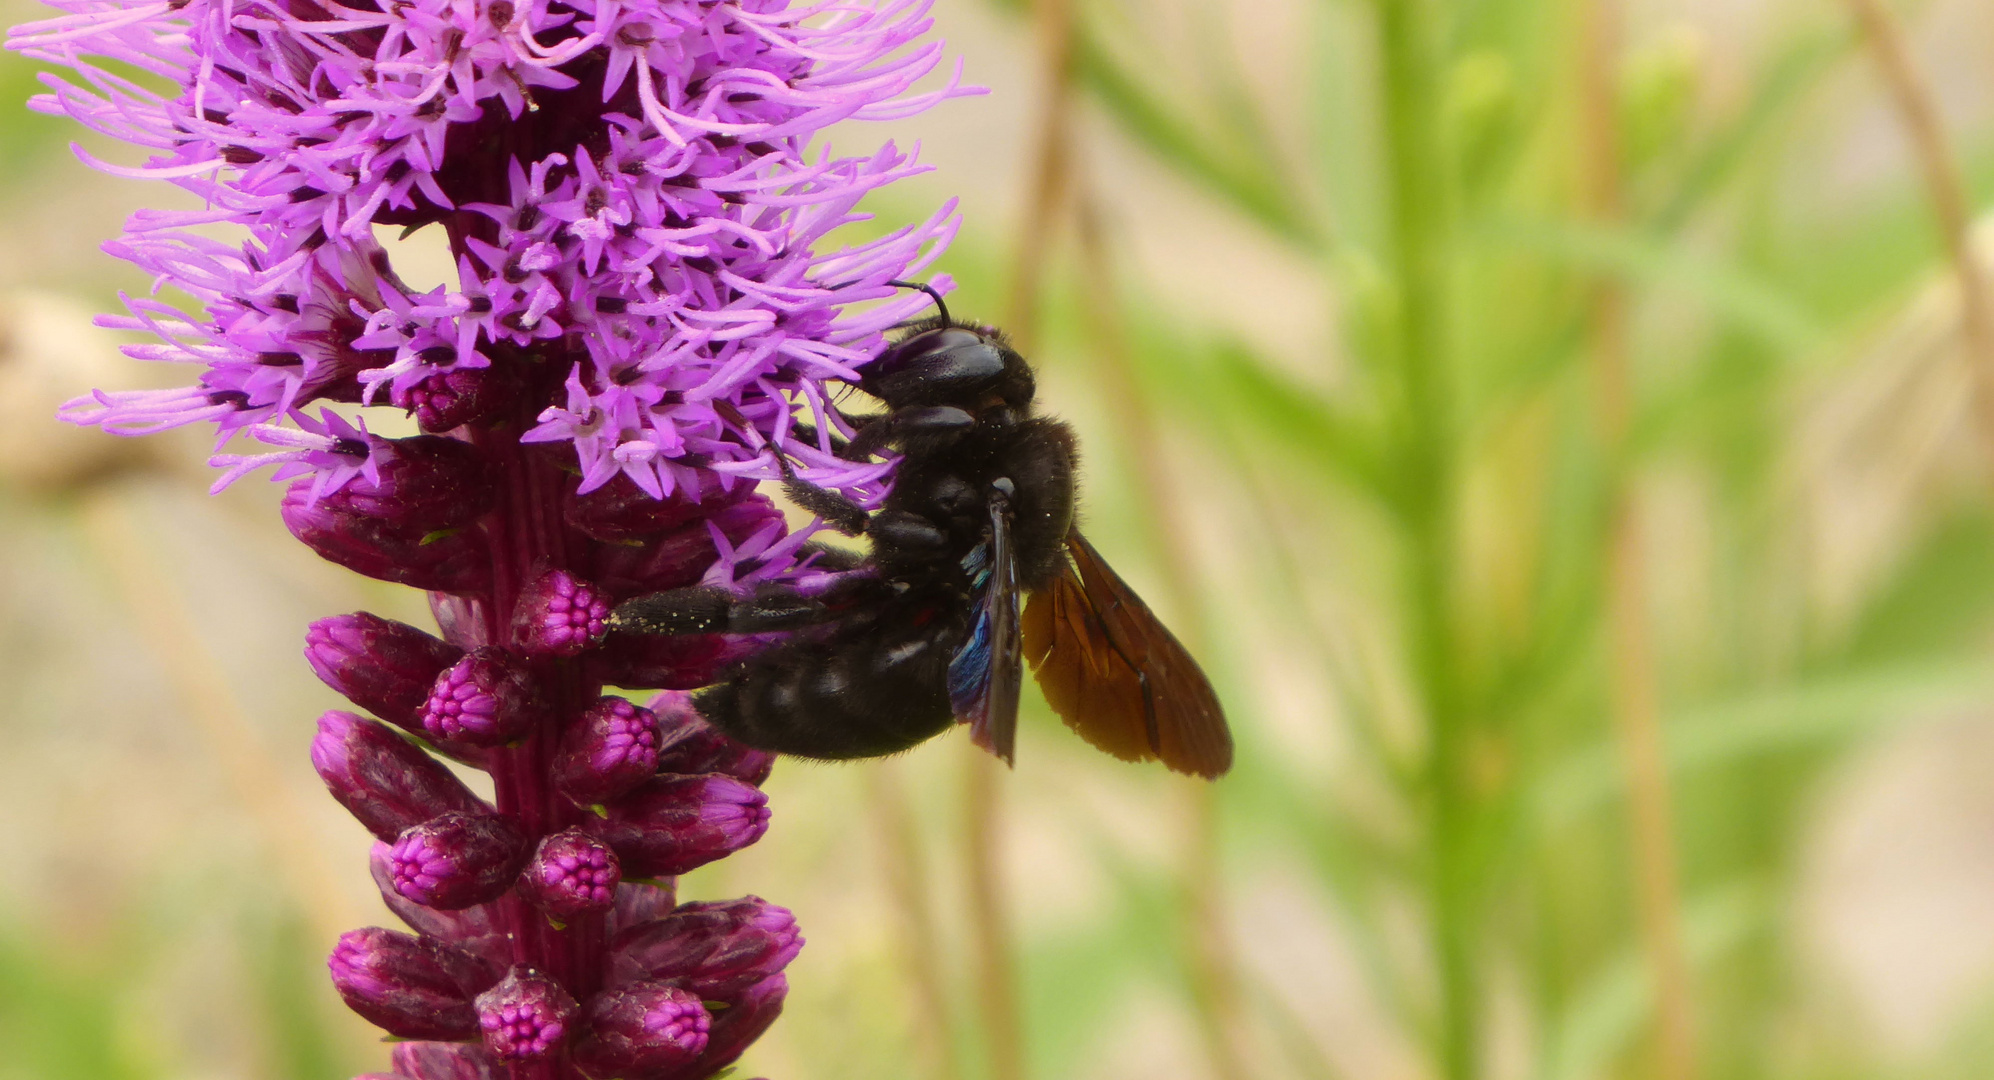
[(456, 561), (526, 1017), (570, 875), (673, 824), (744, 1019), (641, 901), (409, 987), (484, 699), (426, 483), (385, 667), (691, 745), (458, 396), (441, 1061), (680, 557), (644, 1029), (622, 513), (476, 929), (663, 662), (457, 860), (559, 615), (383, 780), (715, 950), (608, 750)]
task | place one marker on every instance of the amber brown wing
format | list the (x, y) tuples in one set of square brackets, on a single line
[(1116, 675)]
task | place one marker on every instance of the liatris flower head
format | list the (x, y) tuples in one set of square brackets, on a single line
[(644, 321), (628, 191)]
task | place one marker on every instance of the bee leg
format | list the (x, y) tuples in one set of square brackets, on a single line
[(924, 426), (806, 432), (844, 514), (709, 609)]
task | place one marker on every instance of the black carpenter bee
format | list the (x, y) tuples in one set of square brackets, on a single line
[(931, 629)]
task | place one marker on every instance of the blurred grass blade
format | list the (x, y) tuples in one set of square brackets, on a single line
[(1808, 715), (1233, 159), (1612, 1008), (1749, 302)]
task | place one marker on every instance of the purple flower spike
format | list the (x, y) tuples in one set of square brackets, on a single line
[(715, 950), (384, 667), (644, 1029), (612, 748), (674, 824), (456, 561), (643, 318), (485, 699), (527, 1017), (381, 779), (440, 1061), (691, 745), (572, 874), (456, 860), (559, 615), (410, 987)]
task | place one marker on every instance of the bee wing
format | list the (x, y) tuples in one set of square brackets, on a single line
[(986, 673), (1116, 675)]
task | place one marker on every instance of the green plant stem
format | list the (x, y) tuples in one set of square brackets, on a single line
[(1423, 415)]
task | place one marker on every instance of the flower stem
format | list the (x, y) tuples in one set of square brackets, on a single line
[(935, 1030), (1215, 981), (1919, 111), (997, 978), (1425, 449), (1635, 706)]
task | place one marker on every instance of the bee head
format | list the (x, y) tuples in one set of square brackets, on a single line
[(940, 363)]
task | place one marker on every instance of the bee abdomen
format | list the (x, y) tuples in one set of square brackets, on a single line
[(875, 689)]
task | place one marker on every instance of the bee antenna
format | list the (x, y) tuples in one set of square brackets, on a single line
[(932, 295)]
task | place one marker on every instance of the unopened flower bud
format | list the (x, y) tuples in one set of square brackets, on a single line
[(746, 1016), (383, 780), (427, 483), (715, 950), (608, 750), (666, 662), (679, 557), (559, 615), (639, 902), (526, 1017), (385, 667), (410, 987), (476, 929), (646, 1028), (458, 396), (441, 1061), (457, 860), (691, 745), (485, 699), (673, 824), (620, 512), (442, 561), (571, 874)]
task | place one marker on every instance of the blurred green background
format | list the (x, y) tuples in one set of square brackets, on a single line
[(1549, 420)]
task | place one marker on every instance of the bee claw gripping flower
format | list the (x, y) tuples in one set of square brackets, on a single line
[(644, 312)]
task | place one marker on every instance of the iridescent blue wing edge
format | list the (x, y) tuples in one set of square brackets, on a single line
[(987, 672)]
